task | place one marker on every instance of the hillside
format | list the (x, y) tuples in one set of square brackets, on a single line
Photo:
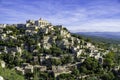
[(40, 50), (112, 36)]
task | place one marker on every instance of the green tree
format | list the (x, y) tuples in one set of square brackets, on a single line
[(56, 62), (67, 59), (65, 77), (108, 76), (10, 74), (109, 59), (75, 72), (90, 65)]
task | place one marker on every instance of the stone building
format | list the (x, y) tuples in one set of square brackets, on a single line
[(40, 68), (42, 23), (28, 69), (2, 64), (57, 70), (2, 26), (30, 23)]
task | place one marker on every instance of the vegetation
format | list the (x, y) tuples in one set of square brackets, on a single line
[(9, 74), (34, 54)]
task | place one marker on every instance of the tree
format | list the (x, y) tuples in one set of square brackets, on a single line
[(56, 62), (56, 51), (108, 62), (83, 69), (109, 59), (88, 40), (75, 72), (26, 56), (28, 76), (9, 59), (65, 77), (10, 74), (108, 76), (67, 59), (43, 76), (90, 65)]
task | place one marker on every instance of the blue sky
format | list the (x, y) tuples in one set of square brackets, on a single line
[(76, 15)]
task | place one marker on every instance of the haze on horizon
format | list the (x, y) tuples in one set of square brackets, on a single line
[(76, 15)]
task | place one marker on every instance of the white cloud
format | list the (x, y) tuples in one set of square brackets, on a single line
[(99, 25), (102, 14)]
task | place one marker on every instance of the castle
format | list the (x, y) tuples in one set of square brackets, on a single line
[(39, 23), (29, 23)]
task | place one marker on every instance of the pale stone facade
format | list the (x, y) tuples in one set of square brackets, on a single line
[(1, 78), (2, 25), (60, 70), (42, 23), (2, 64)]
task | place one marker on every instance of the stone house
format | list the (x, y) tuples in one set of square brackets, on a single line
[(40, 68), (3, 36), (13, 49), (79, 52), (30, 22), (20, 70), (47, 45), (28, 69), (2, 26), (42, 60), (46, 39), (57, 70), (2, 64), (1, 31), (35, 59)]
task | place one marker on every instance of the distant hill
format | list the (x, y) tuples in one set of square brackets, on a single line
[(110, 37), (114, 35)]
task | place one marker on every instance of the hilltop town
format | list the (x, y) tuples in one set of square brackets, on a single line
[(39, 46)]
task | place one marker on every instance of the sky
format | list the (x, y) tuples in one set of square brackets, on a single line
[(75, 15)]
